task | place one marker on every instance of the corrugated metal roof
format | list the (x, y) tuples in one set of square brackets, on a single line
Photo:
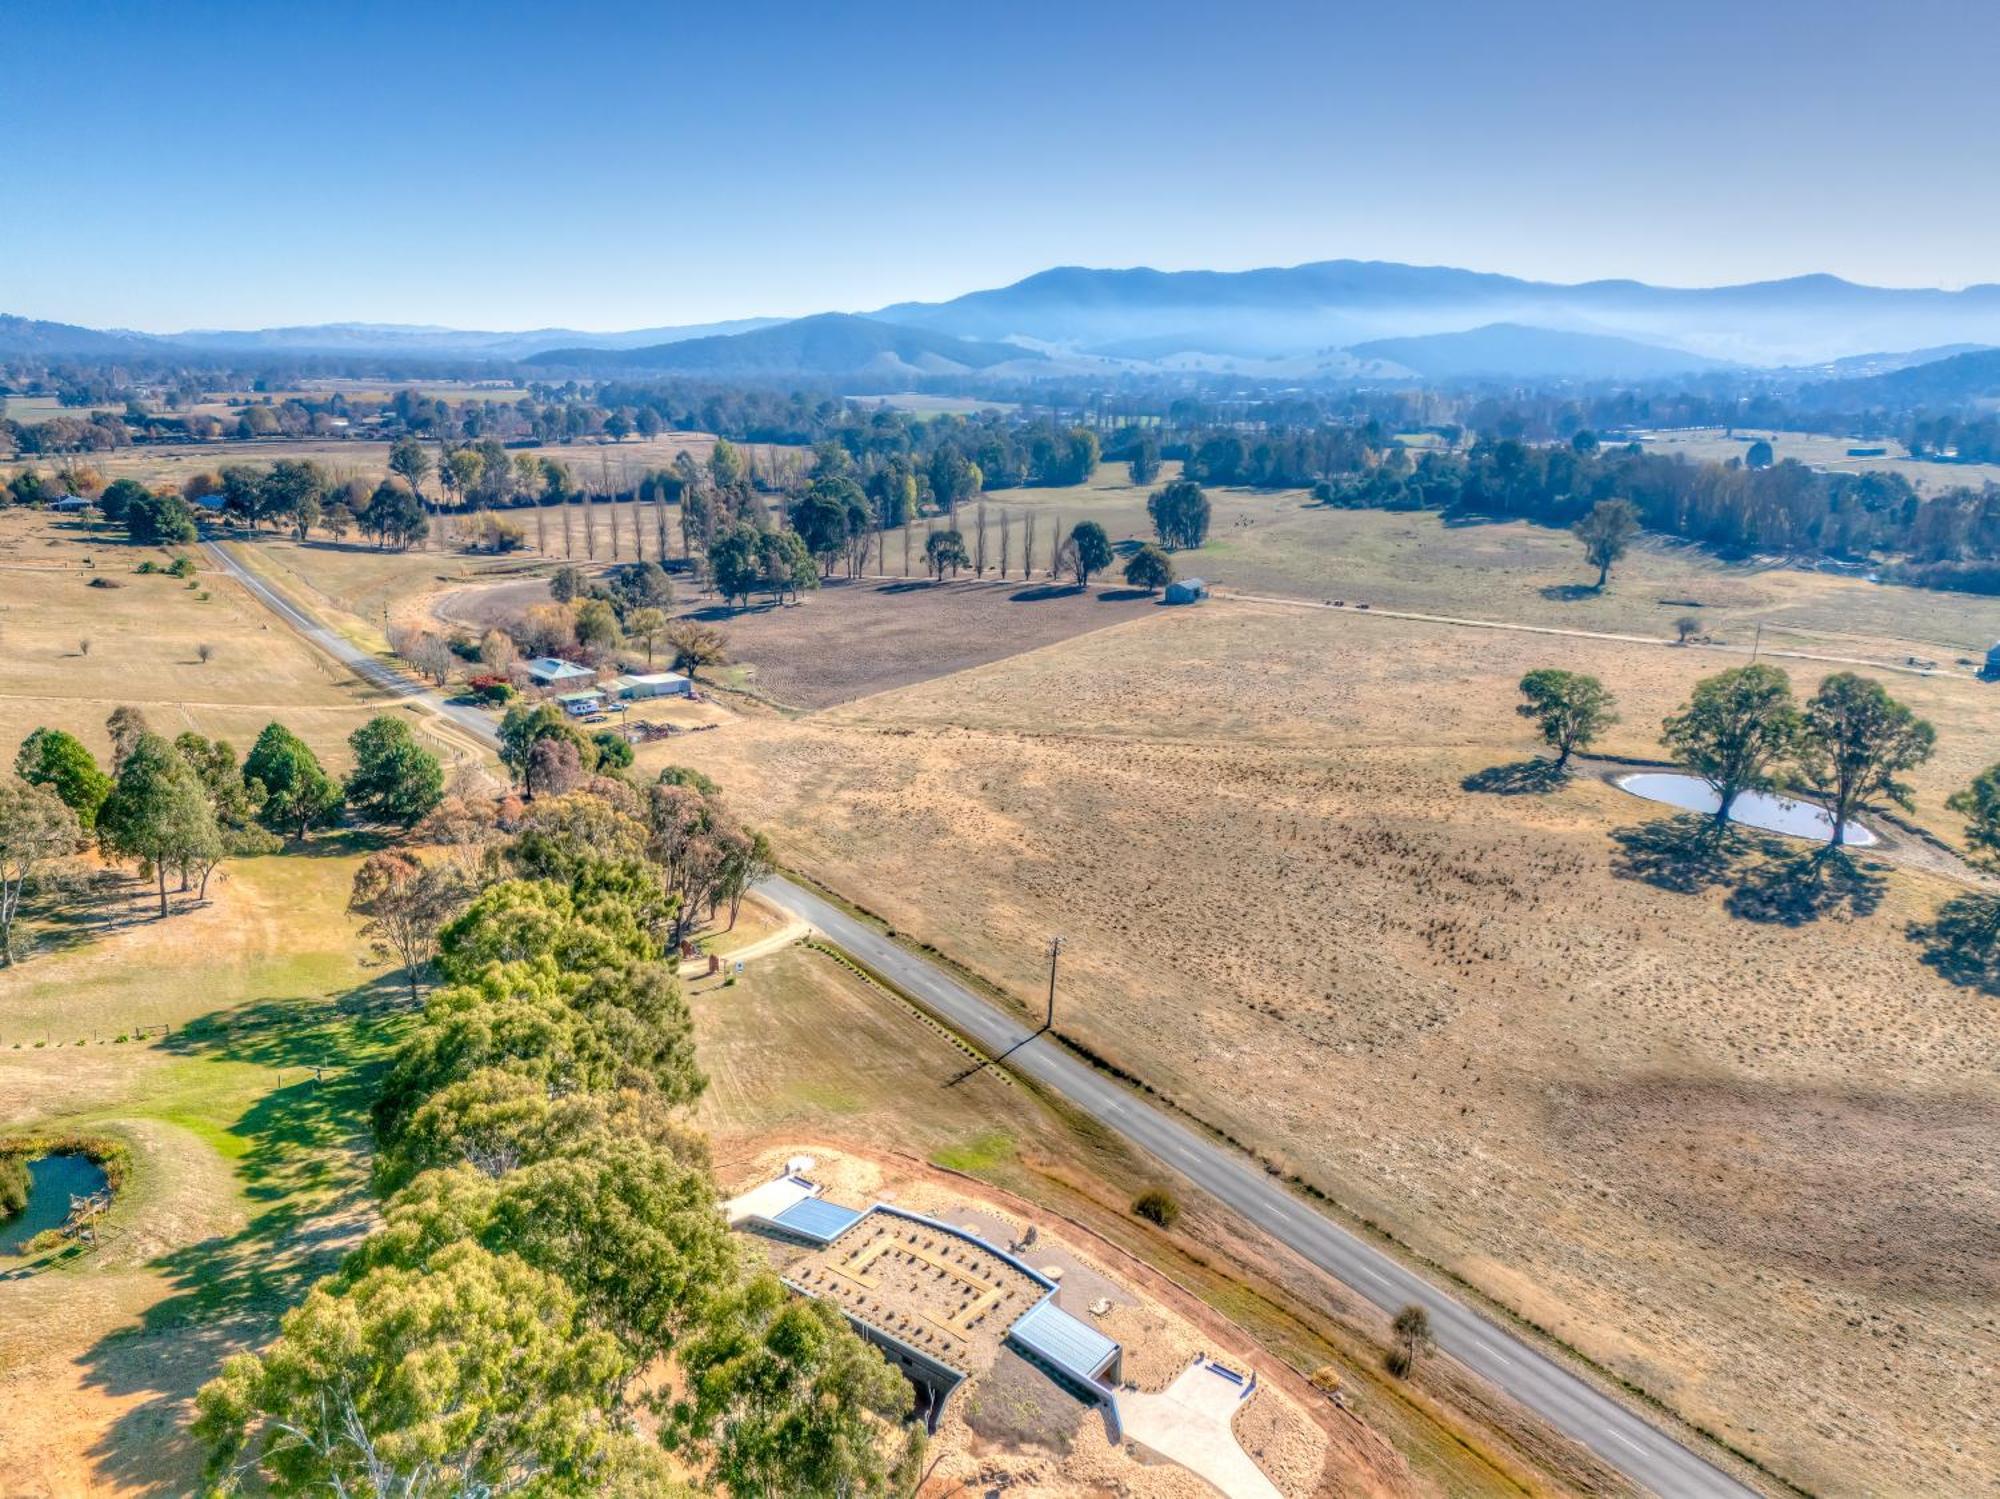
[(1051, 1333), (816, 1218)]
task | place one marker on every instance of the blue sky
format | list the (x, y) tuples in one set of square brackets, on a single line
[(612, 166)]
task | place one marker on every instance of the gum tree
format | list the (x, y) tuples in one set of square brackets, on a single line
[(1569, 708), (1736, 729), (36, 829), (1856, 743)]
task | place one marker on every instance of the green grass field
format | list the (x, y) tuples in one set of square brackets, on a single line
[(244, 1106)]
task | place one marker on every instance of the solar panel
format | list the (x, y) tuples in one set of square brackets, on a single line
[(816, 1218)]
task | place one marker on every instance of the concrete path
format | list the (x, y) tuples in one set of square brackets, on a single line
[(1617, 1434), (1188, 1423)]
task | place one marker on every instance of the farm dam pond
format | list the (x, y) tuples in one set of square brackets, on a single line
[(1753, 809), (52, 1180)]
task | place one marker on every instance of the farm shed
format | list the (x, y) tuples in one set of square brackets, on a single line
[(1992, 670), (1186, 591), (577, 704), (70, 503), (551, 671), (653, 684)]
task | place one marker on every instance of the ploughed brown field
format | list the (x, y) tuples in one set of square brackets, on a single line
[(853, 638), (1739, 1154)]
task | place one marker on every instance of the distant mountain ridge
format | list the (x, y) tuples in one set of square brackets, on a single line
[(1076, 319), (832, 343), (36, 336), (1514, 350), (1941, 382), (1340, 303), (418, 340)]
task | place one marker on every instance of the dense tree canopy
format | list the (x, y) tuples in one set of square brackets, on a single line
[(297, 793), (474, 1374), (157, 812), (1149, 568), (58, 760), (945, 550), (394, 779), (36, 830), (160, 520), (1087, 551), (782, 1397)]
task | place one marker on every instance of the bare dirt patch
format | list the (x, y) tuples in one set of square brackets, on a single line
[(850, 639)]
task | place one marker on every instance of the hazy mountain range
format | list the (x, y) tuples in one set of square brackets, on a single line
[(1340, 303), (1970, 376), (418, 341), (1330, 319), (834, 343), (1530, 353)]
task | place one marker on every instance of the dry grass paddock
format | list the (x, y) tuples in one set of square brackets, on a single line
[(1279, 542), (1745, 1164), (1817, 450), (145, 636), (1275, 543)]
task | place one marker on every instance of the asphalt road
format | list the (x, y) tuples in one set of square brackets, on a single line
[(1624, 1440)]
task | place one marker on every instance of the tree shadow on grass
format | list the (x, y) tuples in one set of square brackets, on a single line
[(712, 614), (1530, 777), (1790, 888), (1962, 942), (304, 1168), (110, 902), (1569, 593), (337, 843), (1771, 879), (1684, 854), (1037, 593), (1124, 595)]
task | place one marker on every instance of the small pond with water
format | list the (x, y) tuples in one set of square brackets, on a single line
[(1754, 809), (51, 1180)]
